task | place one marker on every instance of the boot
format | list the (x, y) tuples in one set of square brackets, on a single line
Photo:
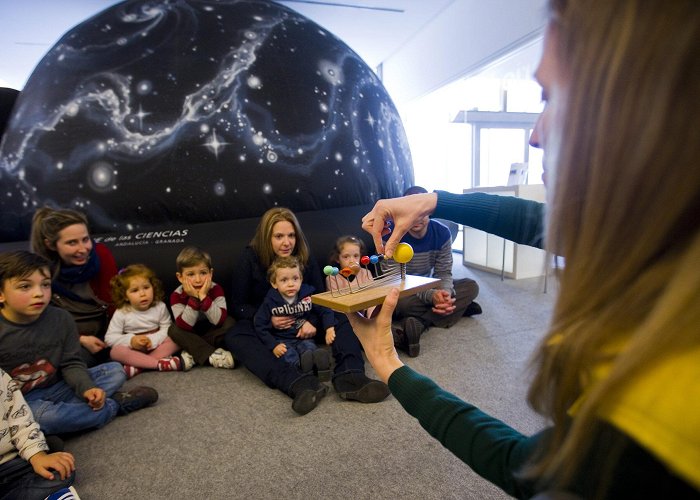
[(307, 393), (356, 386)]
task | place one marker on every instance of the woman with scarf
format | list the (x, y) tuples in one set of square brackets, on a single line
[(81, 273)]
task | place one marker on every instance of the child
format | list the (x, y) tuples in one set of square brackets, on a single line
[(138, 331), (199, 307), (290, 297), (39, 348), (347, 252), (26, 469)]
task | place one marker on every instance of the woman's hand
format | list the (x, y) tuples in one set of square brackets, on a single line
[(375, 336), (282, 322), (306, 331), (62, 462), (92, 343), (403, 212)]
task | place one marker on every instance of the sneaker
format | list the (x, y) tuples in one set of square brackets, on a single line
[(135, 399), (323, 364), (306, 362), (64, 494), (472, 309), (187, 361), (131, 371), (171, 364), (221, 359), (413, 328)]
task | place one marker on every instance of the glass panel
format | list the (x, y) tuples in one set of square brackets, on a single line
[(499, 148)]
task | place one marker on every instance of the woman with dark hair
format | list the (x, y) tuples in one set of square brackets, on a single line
[(279, 235), (81, 271)]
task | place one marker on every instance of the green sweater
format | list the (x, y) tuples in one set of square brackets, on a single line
[(491, 448), (521, 221)]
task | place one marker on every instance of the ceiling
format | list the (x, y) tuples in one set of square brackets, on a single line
[(375, 29)]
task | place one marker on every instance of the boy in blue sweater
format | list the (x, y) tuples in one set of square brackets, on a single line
[(289, 296)]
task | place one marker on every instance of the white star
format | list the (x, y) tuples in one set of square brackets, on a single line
[(370, 119), (214, 145), (141, 115)]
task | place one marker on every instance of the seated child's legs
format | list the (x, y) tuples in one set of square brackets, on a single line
[(147, 361), (198, 346), (128, 356), (29, 484), (291, 356), (166, 349), (60, 417), (214, 335), (305, 345), (108, 376)]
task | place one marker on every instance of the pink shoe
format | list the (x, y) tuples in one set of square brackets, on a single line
[(172, 364), (131, 371)]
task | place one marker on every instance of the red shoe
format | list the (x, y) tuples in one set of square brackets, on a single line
[(131, 371), (172, 364)]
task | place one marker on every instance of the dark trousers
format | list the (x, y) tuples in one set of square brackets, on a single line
[(246, 347), (18, 481), (203, 340), (466, 291)]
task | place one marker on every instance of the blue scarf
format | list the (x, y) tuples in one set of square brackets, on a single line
[(76, 274)]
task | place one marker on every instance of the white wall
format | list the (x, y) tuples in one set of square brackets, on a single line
[(462, 38)]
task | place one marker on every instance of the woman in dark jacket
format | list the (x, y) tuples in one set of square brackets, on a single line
[(279, 235)]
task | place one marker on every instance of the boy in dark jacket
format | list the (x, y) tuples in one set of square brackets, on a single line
[(289, 296)]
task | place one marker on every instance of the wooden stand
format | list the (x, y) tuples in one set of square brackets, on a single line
[(374, 294)]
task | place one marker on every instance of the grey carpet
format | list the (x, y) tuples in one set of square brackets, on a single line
[(220, 434)]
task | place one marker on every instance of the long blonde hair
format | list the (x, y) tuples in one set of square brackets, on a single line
[(262, 241), (624, 210)]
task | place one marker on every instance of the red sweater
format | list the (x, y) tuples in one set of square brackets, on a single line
[(108, 269)]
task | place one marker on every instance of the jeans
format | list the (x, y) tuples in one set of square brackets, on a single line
[(20, 482), (59, 410), (295, 348)]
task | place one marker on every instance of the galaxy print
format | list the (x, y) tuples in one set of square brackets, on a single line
[(190, 111)]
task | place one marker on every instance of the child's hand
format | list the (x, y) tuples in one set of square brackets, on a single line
[(306, 331), (204, 290), (95, 398), (279, 350), (140, 343), (62, 462), (189, 289), (330, 335)]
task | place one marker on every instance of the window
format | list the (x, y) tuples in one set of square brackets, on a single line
[(468, 133)]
